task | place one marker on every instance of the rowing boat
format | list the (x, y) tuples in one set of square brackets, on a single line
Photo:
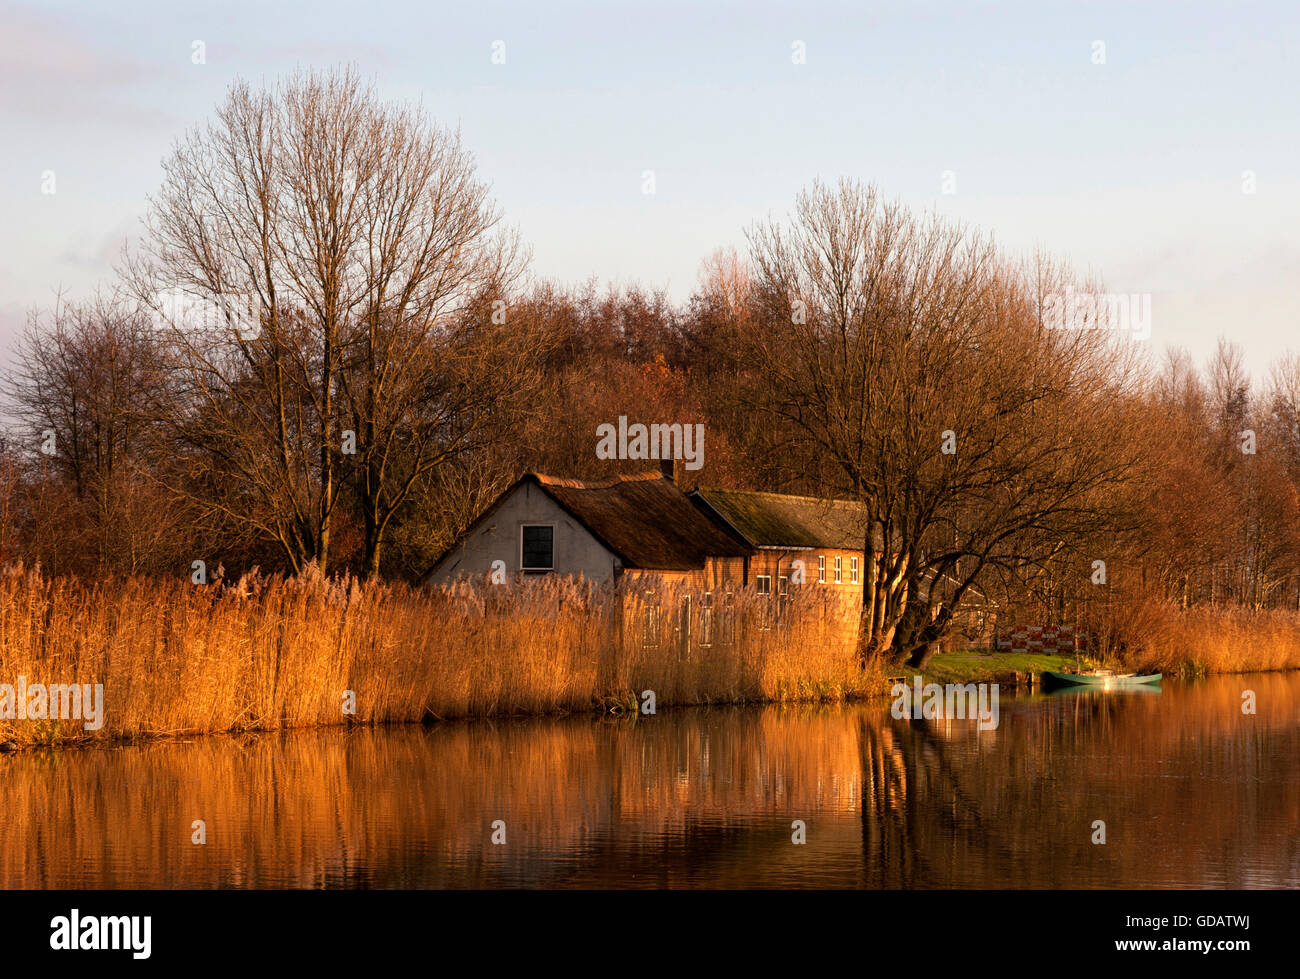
[(1099, 678)]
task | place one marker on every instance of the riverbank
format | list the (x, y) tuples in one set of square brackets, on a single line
[(1201, 644), (175, 659)]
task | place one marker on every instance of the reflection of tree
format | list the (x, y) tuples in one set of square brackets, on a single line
[(898, 755), (1192, 793), (945, 806), (884, 806)]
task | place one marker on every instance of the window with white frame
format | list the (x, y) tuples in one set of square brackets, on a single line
[(764, 583), (839, 570), (821, 569), (853, 571)]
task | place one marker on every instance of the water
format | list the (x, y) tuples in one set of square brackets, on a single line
[(1193, 793)]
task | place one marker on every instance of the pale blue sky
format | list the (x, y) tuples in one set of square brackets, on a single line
[(1131, 169)]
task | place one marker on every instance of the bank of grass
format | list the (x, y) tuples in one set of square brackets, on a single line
[(982, 666), (175, 658), (262, 654)]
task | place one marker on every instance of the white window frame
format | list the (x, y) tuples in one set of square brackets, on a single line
[(760, 578), (821, 569), (522, 527), (839, 570), (853, 571)]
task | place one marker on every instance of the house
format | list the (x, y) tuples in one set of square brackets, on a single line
[(646, 524), (628, 526), (645, 527)]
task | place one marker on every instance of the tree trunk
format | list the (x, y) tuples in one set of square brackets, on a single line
[(922, 655), (374, 544)]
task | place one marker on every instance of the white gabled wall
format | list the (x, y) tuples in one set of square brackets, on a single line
[(496, 537)]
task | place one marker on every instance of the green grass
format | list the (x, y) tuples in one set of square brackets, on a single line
[(978, 666)]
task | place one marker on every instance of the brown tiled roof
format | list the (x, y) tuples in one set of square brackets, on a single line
[(645, 519), (781, 521)]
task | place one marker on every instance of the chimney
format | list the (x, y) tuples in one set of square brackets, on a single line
[(674, 470)]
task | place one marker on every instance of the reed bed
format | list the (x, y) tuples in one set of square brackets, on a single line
[(1153, 635), (269, 653)]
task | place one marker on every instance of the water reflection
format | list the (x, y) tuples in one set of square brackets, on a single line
[(1193, 793)]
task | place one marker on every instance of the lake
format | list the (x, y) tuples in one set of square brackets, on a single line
[(1192, 792)]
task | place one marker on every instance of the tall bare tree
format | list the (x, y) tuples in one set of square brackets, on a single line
[(311, 255), (910, 357)]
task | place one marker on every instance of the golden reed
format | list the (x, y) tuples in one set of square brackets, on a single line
[(267, 653), (1154, 635)]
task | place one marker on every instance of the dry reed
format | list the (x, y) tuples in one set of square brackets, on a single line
[(264, 654), (1154, 635)]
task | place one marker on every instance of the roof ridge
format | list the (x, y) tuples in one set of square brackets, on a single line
[(546, 480)]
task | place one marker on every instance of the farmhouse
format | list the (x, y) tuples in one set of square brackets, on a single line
[(646, 525), (628, 526), (646, 528)]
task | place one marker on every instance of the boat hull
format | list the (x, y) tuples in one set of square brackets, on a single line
[(1102, 682)]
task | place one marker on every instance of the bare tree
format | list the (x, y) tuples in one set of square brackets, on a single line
[(309, 255), (913, 359), (83, 376)]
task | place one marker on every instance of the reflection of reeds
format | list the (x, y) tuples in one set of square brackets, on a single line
[(264, 654), (1155, 636), (413, 807)]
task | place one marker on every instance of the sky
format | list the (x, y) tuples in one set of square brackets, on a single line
[(1155, 145)]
